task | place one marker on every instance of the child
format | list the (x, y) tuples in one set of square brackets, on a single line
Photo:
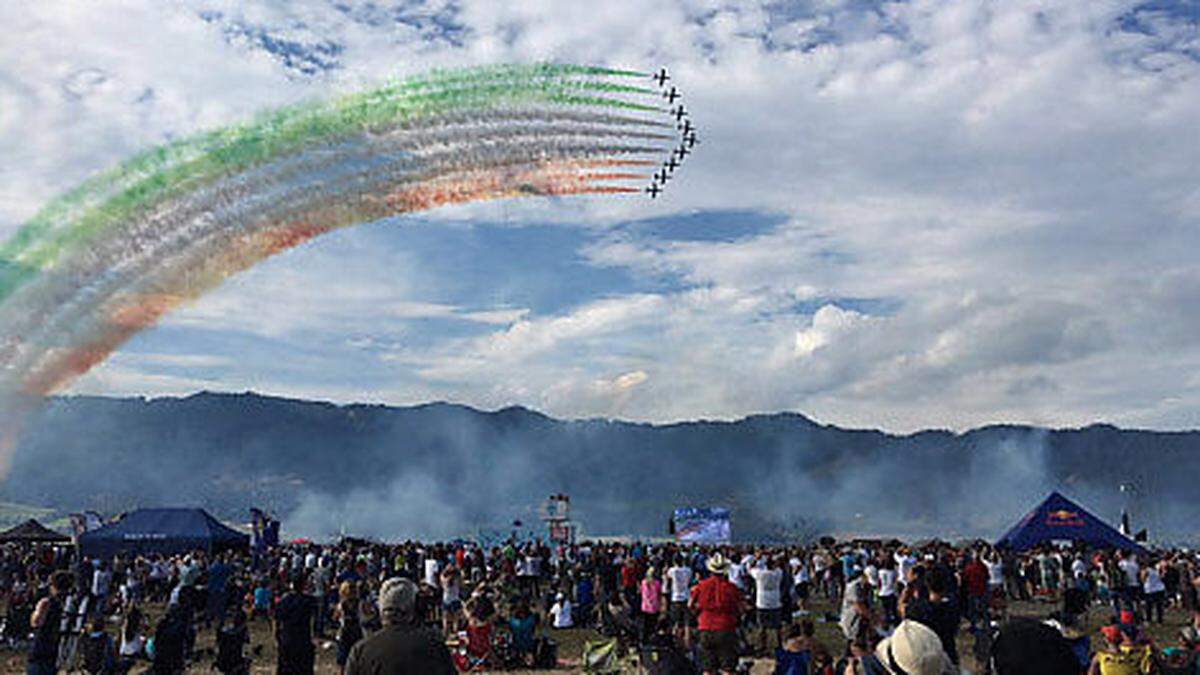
[(262, 599)]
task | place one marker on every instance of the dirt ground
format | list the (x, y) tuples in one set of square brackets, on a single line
[(571, 642)]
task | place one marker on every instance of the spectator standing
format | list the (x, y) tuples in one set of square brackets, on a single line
[(717, 604), (294, 618), (402, 646)]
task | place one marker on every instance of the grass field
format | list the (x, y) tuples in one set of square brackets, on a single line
[(571, 641)]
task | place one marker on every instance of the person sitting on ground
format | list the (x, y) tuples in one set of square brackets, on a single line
[(401, 647), (1182, 659), (1123, 652), (561, 611)]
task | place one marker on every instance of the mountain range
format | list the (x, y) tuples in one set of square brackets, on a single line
[(442, 470)]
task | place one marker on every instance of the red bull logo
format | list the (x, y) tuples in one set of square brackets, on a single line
[(1064, 518)]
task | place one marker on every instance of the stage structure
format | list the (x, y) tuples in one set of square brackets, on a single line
[(555, 512)]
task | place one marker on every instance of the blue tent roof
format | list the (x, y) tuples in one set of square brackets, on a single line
[(165, 531), (1060, 519)]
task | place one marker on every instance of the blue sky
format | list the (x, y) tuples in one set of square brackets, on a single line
[(902, 214)]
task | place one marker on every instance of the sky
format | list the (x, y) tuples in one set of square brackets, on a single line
[(902, 215)]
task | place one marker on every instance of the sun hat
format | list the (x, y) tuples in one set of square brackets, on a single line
[(913, 649), (717, 564)]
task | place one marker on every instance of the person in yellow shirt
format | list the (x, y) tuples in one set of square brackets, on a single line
[(1123, 653)]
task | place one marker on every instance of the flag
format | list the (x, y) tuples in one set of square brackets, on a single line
[(258, 526)]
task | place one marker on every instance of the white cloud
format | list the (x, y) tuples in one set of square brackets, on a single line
[(828, 325), (1014, 181)]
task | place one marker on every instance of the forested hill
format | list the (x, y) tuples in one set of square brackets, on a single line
[(442, 469)]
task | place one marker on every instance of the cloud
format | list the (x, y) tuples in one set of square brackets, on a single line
[(828, 325), (963, 212)]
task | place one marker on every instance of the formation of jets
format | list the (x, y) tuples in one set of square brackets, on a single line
[(687, 139)]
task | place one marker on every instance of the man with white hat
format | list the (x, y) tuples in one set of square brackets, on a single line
[(717, 604), (402, 647), (914, 649)]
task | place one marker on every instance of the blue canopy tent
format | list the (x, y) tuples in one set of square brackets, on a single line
[(165, 531), (1060, 519)]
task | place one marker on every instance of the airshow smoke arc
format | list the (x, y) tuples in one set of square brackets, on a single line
[(111, 256)]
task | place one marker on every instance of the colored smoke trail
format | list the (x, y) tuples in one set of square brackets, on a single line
[(113, 255)]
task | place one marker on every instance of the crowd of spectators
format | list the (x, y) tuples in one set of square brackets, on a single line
[(428, 608)]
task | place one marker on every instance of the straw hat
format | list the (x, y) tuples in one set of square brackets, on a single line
[(717, 564), (914, 649)]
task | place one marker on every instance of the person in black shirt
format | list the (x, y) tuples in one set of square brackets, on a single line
[(402, 647), (47, 616), (294, 631), (231, 643), (170, 642), (940, 611)]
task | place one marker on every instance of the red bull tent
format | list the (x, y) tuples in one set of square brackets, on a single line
[(165, 531), (1060, 519)]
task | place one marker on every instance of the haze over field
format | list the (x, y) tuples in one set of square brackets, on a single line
[(443, 470), (901, 216)]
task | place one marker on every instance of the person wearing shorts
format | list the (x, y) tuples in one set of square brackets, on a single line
[(718, 651), (678, 585), (717, 603)]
